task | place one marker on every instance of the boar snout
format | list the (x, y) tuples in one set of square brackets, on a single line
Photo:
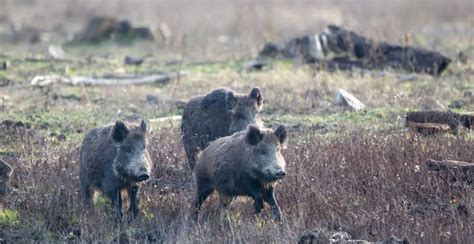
[(143, 174), (275, 174), (280, 175), (143, 177)]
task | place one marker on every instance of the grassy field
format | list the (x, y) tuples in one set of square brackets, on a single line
[(363, 173)]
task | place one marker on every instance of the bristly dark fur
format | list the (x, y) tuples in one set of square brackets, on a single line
[(467, 120), (5, 173), (282, 133), (238, 165), (257, 94), (119, 131), (103, 167), (206, 118), (253, 135)]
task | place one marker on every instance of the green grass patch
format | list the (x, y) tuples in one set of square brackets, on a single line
[(214, 68), (101, 202), (8, 217), (368, 116)]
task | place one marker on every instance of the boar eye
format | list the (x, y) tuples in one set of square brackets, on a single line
[(127, 149), (263, 152), (240, 116)]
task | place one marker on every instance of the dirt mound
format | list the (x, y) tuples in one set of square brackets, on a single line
[(103, 28)]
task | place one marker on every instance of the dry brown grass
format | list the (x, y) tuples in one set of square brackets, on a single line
[(370, 184)]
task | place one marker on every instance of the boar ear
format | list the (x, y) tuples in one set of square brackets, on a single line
[(144, 126), (230, 100), (282, 134), (256, 94), (254, 135), (119, 132)]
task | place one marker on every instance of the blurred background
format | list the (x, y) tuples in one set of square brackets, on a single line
[(223, 29)]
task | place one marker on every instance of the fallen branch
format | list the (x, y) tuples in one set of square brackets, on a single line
[(106, 80), (436, 117), (429, 128), (461, 170)]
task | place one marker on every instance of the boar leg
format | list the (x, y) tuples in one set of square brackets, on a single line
[(269, 196), (191, 151), (257, 195), (201, 197), (116, 201), (113, 192), (203, 191), (87, 195), (133, 194)]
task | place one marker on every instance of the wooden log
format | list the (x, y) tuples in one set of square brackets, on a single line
[(436, 117), (106, 80), (429, 128), (461, 170)]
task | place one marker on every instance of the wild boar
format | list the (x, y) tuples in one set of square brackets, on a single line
[(247, 163), (5, 173), (220, 113), (114, 158)]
